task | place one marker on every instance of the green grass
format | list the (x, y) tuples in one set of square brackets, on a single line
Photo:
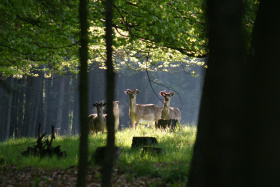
[(173, 167)]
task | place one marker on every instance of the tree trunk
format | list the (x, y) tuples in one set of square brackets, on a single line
[(110, 90), (76, 114), (27, 106), (20, 108), (83, 147), (262, 154), (9, 110), (45, 104), (60, 95), (216, 159)]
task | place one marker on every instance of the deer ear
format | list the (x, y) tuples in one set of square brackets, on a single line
[(127, 91), (171, 93), (104, 104), (161, 93), (94, 104), (137, 91)]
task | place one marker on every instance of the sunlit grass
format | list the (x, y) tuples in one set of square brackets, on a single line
[(173, 166)]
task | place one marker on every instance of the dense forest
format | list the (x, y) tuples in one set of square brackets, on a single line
[(28, 101)]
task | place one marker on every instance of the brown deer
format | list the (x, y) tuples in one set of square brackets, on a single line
[(167, 111), (144, 114), (97, 122)]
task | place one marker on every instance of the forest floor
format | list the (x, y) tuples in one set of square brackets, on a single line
[(132, 169), (11, 176)]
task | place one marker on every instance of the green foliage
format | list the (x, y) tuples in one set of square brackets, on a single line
[(150, 32), (44, 35), (250, 11), (37, 35), (172, 167)]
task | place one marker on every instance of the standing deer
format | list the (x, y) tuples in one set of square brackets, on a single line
[(146, 114), (97, 122), (167, 111)]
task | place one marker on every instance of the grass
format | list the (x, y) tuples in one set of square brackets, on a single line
[(172, 168)]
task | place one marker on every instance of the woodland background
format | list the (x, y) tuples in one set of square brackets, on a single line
[(26, 102)]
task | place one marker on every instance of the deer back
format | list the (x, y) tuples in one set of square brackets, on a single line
[(148, 112)]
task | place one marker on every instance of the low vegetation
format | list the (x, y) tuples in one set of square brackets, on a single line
[(171, 168)]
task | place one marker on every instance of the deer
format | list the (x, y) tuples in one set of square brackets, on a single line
[(167, 111), (144, 114), (97, 122)]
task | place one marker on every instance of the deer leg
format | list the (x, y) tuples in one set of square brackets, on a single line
[(133, 124)]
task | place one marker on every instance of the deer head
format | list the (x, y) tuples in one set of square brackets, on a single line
[(99, 106)]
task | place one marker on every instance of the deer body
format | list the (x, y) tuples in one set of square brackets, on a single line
[(145, 114), (97, 122), (167, 111)]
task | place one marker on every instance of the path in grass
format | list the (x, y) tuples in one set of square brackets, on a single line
[(131, 169)]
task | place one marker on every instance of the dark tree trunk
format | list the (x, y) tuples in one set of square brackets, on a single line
[(110, 89), (83, 147), (235, 149), (45, 104), (262, 155), (9, 110), (216, 159)]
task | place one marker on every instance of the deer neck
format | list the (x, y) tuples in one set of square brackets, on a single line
[(132, 105), (100, 115), (166, 106)]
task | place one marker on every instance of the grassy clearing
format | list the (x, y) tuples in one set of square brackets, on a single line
[(172, 168)]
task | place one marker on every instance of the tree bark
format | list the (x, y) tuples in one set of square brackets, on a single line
[(59, 117), (262, 154), (216, 159), (83, 90), (9, 110), (110, 89)]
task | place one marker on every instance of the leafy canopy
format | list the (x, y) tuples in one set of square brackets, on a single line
[(157, 35)]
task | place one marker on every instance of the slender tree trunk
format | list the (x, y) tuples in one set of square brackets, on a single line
[(218, 148), (9, 110), (76, 114), (83, 147), (66, 108), (20, 108), (34, 106), (45, 104), (110, 89), (60, 94), (27, 106)]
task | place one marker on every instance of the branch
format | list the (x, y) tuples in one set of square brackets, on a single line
[(150, 79)]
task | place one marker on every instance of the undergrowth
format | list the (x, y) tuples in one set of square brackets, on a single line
[(173, 167)]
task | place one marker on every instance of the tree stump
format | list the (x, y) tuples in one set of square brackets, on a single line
[(143, 141), (154, 151), (99, 154), (164, 123)]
